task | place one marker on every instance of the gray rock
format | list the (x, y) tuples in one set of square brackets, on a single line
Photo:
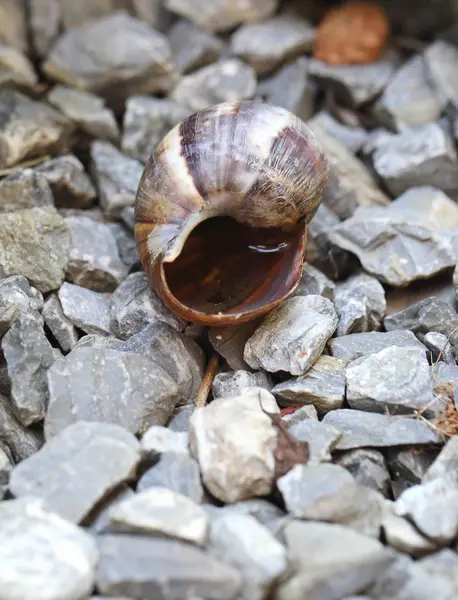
[(353, 346), (161, 511), (86, 110), (353, 138), (323, 386), (13, 28), (243, 543), (404, 537), (86, 309), (24, 188), (62, 328), (233, 440), (263, 511), (158, 439), (356, 84), (223, 15), (16, 296), (332, 561), (127, 247), (108, 386), (350, 184), (44, 22), (117, 177), (35, 243), (442, 565), (301, 414), (413, 238), (94, 260), (360, 304), (176, 472), (192, 47), (161, 569), (409, 99), (100, 518), (78, 468), (314, 283), (444, 466), (43, 557), (368, 469), (70, 185), (29, 128), (410, 464), (142, 64), (230, 342), (362, 429), (440, 59), (418, 156), (293, 336), (181, 418), (17, 440), (440, 348), (394, 381), (322, 438), (228, 80), (267, 45), (146, 121), (232, 383)]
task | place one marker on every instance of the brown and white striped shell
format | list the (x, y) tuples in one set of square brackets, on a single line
[(222, 208)]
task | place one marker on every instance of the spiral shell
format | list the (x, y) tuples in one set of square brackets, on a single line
[(222, 207)]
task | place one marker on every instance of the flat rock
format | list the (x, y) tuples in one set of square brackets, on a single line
[(368, 469), (161, 511), (404, 537), (117, 177), (362, 429), (94, 260), (440, 59), (146, 121), (78, 468), (228, 80), (29, 128), (413, 238), (242, 542), (232, 383), (108, 386), (16, 440), (230, 342), (360, 304), (35, 243), (62, 328), (444, 465), (234, 440), (16, 296), (293, 336), (352, 137), (24, 188), (99, 520), (314, 282), (161, 569), (304, 413), (262, 510), (86, 309), (321, 438), (192, 46), (86, 110), (353, 346), (158, 439), (141, 64), (35, 548)]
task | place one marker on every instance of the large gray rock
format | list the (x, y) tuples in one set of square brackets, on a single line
[(108, 386), (445, 464), (440, 348), (16, 440), (86, 309), (24, 188), (16, 296), (293, 336), (440, 59), (62, 328), (352, 137), (78, 468), (35, 243), (360, 304), (192, 47), (42, 556), (321, 438), (353, 346)]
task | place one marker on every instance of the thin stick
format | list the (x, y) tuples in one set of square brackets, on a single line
[(27, 163), (207, 381)]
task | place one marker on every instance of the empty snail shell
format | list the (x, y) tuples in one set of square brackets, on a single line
[(222, 210)]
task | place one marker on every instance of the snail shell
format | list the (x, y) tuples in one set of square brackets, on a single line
[(222, 209)]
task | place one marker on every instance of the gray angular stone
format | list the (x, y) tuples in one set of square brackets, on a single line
[(6, 467), (410, 464), (233, 440), (44, 23), (443, 565), (368, 468), (267, 45), (418, 156), (78, 468), (127, 247), (16, 440), (86, 110), (413, 238), (444, 466), (353, 346), (314, 283), (360, 304), (161, 511), (28, 356), (262, 510), (29, 128), (362, 429), (356, 84), (158, 439), (16, 296), (141, 64), (146, 121), (62, 328), (176, 472), (94, 260), (440, 59), (161, 569), (117, 177), (230, 342), (228, 80), (293, 336), (35, 243), (181, 418), (43, 557), (353, 138), (439, 347), (301, 414), (404, 537), (350, 185), (108, 386), (232, 383), (70, 185), (192, 47), (409, 99), (13, 28), (23, 189), (224, 14), (322, 438), (86, 309), (100, 518), (242, 542)]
